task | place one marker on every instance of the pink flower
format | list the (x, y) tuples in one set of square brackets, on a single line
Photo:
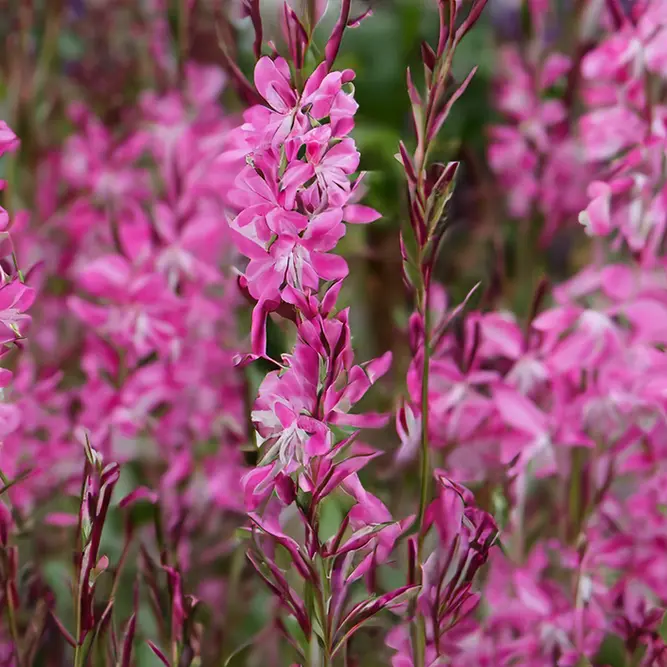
[(537, 436), (597, 217), (134, 308), (8, 140), (296, 407), (295, 254), (606, 132), (15, 299)]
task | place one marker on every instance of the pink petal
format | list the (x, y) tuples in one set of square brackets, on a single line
[(329, 267), (360, 214), (519, 412)]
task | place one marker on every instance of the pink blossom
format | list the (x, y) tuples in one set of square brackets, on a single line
[(8, 140), (136, 308), (15, 299)]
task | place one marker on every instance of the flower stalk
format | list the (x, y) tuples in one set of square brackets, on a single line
[(429, 190)]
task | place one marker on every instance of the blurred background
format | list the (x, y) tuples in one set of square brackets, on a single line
[(57, 56), (102, 53)]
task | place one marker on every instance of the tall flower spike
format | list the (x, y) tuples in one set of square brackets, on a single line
[(429, 188), (295, 194)]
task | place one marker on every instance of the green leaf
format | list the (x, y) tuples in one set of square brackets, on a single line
[(409, 241), (612, 652), (331, 516), (303, 500)]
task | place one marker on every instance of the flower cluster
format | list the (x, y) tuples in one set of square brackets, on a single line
[(521, 519), (15, 296), (533, 154), (559, 416), (129, 255), (295, 193), (623, 132)]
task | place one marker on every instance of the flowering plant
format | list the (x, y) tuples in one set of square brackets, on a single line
[(205, 460)]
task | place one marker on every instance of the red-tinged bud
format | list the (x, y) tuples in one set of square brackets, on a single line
[(285, 488), (333, 45), (445, 175), (356, 21), (442, 115), (128, 640), (428, 57), (417, 108), (176, 596), (404, 158), (447, 10), (158, 653), (296, 35), (140, 494), (364, 611), (416, 332), (470, 20), (472, 353), (251, 9)]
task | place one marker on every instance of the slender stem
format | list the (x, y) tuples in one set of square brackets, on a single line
[(435, 91), (418, 635), (425, 472), (13, 627), (326, 625), (520, 519), (183, 35), (315, 653), (419, 628), (321, 656), (78, 653)]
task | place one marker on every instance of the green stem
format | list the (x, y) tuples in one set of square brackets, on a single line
[(419, 626), (425, 474), (78, 652), (576, 501), (436, 89), (314, 656), (321, 656), (183, 35), (326, 625)]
